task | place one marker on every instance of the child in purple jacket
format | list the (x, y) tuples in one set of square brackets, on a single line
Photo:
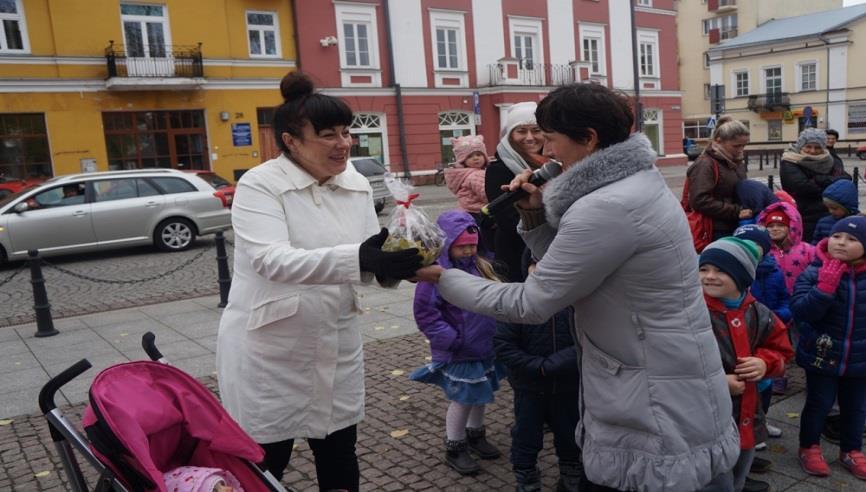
[(461, 345)]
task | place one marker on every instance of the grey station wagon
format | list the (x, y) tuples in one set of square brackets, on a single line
[(109, 210)]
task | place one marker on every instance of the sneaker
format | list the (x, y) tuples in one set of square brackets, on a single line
[(780, 385), (761, 446), (755, 486), (773, 431), (812, 462), (832, 430), (854, 462), (760, 465)]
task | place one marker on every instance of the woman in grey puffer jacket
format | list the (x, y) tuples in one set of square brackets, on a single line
[(614, 243)]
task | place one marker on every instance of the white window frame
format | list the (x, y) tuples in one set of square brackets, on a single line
[(645, 3), (650, 80), (261, 31), (357, 13), (166, 26), (799, 74), (660, 122), (528, 26), (594, 32), (22, 27), (735, 82), (764, 77), (382, 128), (445, 19)]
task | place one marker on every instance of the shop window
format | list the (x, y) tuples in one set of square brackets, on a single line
[(453, 124), (263, 34), (774, 130), (696, 129), (13, 28), (148, 139), (24, 151), (368, 136)]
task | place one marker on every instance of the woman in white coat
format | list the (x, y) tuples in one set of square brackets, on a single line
[(289, 356)]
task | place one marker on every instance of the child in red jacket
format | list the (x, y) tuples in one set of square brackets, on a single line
[(752, 340)]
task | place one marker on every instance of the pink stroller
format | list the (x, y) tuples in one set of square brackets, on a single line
[(148, 418)]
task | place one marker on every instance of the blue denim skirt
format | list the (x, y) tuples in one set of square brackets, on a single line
[(468, 382)]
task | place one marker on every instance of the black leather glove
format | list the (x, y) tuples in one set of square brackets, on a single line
[(384, 264)]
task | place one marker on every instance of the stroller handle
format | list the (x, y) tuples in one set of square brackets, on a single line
[(46, 394), (148, 343)]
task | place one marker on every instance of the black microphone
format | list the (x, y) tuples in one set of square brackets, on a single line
[(543, 174)]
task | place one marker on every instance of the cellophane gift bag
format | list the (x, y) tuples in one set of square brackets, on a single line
[(409, 226)]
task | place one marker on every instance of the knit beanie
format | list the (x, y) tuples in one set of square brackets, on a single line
[(467, 237), (776, 216), (756, 233), (842, 193), (519, 114), (854, 225), (463, 147), (811, 136), (735, 257)]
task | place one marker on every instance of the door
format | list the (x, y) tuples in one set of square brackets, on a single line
[(59, 220), (124, 210), (145, 33)]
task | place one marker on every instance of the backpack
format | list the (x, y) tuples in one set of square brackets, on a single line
[(700, 225)]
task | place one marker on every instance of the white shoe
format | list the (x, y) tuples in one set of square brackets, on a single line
[(773, 431), (760, 446)]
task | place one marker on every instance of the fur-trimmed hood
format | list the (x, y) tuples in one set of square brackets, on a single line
[(599, 169)]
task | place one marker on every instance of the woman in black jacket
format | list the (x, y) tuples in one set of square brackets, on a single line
[(519, 148), (807, 169)]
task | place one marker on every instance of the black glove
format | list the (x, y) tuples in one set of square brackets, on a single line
[(397, 264)]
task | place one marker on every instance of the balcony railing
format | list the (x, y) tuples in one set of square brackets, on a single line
[(729, 34), (533, 74), (774, 101), (159, 61)]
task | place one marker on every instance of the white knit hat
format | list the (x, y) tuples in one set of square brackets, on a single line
[(519, 114)]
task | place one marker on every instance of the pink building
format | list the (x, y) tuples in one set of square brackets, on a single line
[(460, 64)]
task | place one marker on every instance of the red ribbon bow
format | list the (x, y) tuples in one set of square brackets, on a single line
[(408, 200)]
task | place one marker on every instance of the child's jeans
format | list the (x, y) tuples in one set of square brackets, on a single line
[(531, 412), (821, 391)]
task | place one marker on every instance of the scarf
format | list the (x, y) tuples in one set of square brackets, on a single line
[(721, 152), (513, 160), (820, 164)]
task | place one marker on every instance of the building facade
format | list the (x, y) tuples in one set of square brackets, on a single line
[(418, 72), (703, 25), (90, 85), (797, 72)]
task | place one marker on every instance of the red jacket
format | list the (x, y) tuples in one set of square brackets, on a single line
[(750, 330)]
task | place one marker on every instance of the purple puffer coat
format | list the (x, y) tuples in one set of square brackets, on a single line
[(455, 335)]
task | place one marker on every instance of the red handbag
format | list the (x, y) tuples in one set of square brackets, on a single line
[(700, 225)]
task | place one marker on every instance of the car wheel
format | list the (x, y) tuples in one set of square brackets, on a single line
[(380, 205), (862, 156), (174, 234)]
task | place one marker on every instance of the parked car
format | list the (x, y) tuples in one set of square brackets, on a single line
[(374, 171), (110, 210), (14, 185), (694, 151), (223, 186), (861, 152)]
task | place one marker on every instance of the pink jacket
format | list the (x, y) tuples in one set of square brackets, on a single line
[(468, 185), (200, 479), (798, 255)]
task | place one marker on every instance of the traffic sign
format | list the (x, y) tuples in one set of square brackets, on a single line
[(711, 123)]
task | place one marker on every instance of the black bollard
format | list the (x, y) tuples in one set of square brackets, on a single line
[(856, 178), (44, 323), (761, 161), (223, 277), (770, 182)]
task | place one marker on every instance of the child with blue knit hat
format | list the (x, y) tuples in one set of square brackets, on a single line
[(755, 196), (832, 349), (752, 340), (841, 201)]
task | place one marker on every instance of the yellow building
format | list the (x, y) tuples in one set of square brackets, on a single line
[(95, 85), (704, 24), (796, 72)]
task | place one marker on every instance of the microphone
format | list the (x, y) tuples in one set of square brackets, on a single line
[(543, 174)]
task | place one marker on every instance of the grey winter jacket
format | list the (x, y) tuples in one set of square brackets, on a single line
[(656, 411)]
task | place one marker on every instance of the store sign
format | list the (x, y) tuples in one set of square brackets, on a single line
[(787, 116), (857, 118)]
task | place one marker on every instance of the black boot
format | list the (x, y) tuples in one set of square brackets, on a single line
[(479, 444), (755, 486), (528, 479), (761, 465), (570, 476), (457, 456)]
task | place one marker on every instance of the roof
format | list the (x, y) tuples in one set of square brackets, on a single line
[(791, 28)]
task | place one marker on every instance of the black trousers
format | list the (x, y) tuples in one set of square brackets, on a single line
[(336, 461)]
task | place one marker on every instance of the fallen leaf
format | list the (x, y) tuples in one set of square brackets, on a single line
[(366, 309), (394, 327), (6, 421), (42, 474), (428, 358), (399, 433), (397, 372), (378, 328), (124, 334), (792, 415), (404, 397), (17, 363)]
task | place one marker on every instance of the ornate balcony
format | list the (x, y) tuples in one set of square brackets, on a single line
[(511, 71), (160, 67), (765, 103)]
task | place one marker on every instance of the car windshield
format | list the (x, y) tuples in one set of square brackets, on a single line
[(214, 180), (368, 166), (8, 198)]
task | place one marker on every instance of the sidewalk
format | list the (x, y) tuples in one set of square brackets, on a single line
[(396, 406)]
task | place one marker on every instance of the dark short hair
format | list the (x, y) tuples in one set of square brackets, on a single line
[(833, 132), (573, 109), (302, 104)]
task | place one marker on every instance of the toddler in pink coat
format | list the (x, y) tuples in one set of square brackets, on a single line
[(201, 479), (785, 226), (466, 178)]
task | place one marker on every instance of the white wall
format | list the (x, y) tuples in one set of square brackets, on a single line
[(621, 61), (410, 59), (561, 25), (489, 36)]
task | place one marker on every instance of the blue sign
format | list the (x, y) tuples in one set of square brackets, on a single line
[(711, 123), (476, 102), (807, 117), (242, 134)]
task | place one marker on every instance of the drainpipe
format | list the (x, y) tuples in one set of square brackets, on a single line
[(638, 108), (398, 91), (295, 35), (827, 91)]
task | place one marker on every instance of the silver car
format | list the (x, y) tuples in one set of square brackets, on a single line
[(109, 210), (374, 171)]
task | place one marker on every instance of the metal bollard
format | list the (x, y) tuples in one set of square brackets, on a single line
[(776, 160), (770, 182), (761, 162), (223, 277), (44, 323), (856, 178)]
